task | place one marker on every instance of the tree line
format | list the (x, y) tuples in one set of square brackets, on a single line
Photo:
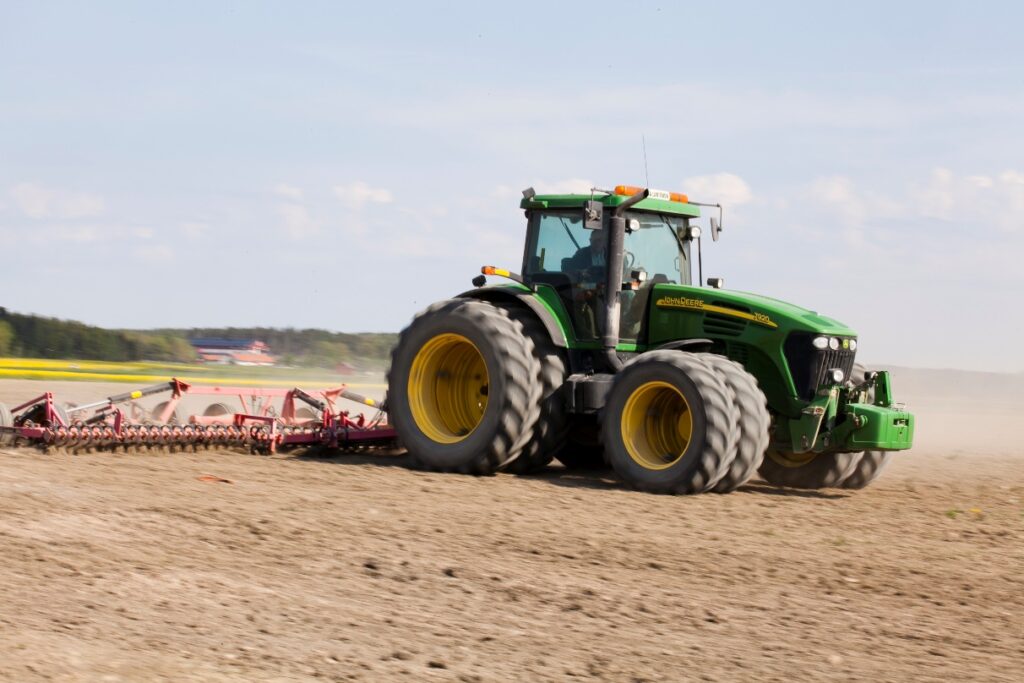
[(34, 336)]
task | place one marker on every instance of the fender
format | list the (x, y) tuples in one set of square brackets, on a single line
[(526, 298), (686, 345)]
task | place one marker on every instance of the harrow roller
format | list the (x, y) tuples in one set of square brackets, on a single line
[(119, 424)]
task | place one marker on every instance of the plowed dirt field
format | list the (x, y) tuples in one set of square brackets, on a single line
[(139, 568)]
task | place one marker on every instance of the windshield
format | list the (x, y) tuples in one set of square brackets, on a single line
[(655, 247)]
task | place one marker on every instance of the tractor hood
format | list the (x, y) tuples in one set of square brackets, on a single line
[(762, 310)]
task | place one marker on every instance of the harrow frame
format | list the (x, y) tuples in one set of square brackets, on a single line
[(119, 423)]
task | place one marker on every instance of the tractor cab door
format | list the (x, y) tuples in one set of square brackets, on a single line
[(560, 252)]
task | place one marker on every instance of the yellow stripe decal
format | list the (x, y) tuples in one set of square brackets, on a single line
[(701, 305)]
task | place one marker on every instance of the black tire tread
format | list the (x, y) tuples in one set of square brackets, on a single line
[(867, 469), (720, 434), (871, 463), (752, 421), (521, 373), (550, 433), (825, 471)]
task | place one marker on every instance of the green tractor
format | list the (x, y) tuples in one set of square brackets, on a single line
[(605, 351)]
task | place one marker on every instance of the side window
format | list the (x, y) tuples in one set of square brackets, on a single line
[(558, 236)]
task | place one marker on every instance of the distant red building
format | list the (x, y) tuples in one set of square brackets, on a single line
[(233, 351)]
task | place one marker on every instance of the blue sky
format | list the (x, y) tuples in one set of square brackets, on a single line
[(317, 164)]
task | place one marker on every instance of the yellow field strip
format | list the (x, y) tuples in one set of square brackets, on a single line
[(16, 373), (50, 364)]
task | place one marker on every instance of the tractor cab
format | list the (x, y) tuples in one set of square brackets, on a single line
[(567, 248)]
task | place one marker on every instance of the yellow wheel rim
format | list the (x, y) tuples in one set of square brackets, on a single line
[(657, 425), (791, 459), (448, 388)]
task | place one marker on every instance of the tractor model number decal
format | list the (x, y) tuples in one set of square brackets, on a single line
[(701, 305)]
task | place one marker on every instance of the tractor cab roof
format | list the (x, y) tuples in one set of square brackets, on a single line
[(659, 201)]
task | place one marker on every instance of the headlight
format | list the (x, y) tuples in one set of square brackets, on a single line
[(820, 342), (853, 344), (836, 375), (833, 343)]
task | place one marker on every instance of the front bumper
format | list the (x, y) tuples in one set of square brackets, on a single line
[(844, 418), (877, 428)]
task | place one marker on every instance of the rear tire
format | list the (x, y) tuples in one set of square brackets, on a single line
[(464, 387), (551, 430), (669, 426), (753, 422), (807, 470)]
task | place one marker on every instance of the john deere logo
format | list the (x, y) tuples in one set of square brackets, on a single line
[(681, 302)]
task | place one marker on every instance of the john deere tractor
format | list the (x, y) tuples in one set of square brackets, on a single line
[(605, 350)]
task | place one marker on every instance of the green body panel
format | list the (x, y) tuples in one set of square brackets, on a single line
[(760, 326)]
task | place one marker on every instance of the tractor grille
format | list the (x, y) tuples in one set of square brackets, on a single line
[(808, 365), (723, 325), (738, 352)]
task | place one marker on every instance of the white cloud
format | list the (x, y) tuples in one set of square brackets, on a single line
[(78, 233), (193, 230), (157, 253), (358, 193), (727, 189), (288, 191), (35, 201), (298, 222), (984, 200)]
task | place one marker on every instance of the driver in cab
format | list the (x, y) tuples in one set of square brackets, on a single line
[(587, 266)]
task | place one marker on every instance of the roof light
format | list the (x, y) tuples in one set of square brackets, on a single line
[(491, 270), (630, 190)]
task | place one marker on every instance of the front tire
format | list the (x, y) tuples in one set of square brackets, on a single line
[(871, 463), (669, 425), (463, 387), (868, 468), (807, 470)]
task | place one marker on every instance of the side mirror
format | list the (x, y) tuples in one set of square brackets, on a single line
[(593, 213), (716, 228)]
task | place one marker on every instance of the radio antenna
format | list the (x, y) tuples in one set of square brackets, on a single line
[(643, 143)]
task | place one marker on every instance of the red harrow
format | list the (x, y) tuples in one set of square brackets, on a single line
[(119, 423)]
